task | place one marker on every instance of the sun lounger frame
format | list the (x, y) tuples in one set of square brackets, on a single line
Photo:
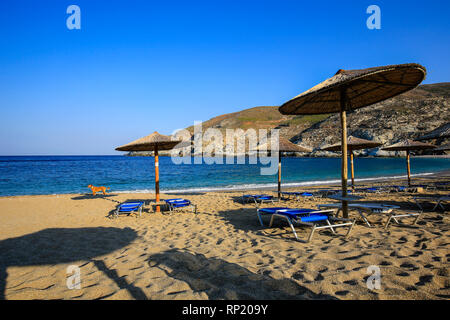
[(298, 195), (314, 225), (173, 208), (256, 198), (138, 208), (367, 209), (439, 201)]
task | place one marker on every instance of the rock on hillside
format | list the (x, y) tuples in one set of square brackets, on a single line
[(410, 115)]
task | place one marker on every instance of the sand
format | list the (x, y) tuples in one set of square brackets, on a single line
[(220, 253)]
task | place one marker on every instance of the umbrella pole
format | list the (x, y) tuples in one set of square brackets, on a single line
[(158, 209), (408, 167), (344, 153), (279, 176), (353, 171)]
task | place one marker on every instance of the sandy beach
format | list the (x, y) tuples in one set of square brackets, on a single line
[(220, 253)]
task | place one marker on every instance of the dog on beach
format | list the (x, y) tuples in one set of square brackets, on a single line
[(98, 189)]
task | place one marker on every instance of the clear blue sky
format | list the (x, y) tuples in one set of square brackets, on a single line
[(139, 66)]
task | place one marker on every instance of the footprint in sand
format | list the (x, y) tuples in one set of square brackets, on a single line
[(416, 254), (319, 277), (423, 280), (351, 282), (342, 293), (410, 266), (437, 259), (298, 275), (411, 288)]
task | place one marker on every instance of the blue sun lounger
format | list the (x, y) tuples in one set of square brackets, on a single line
[(129, 208), (398, 188), (257, 197), (369, 190), (297, 195), (179, 204), (316, 219)]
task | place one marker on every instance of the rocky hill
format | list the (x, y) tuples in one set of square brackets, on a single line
[(409, 115)]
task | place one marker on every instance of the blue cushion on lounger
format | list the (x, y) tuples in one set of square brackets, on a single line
[(181, 204), (272, 210), (177, 203), (256, 196), (174, 200), (296, 213), (306, 194), (265, 198), (289, 211), (130, 206), (314, 217)]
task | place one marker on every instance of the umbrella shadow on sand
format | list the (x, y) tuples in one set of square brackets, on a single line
[(51, 247), (243, 219), (220, 279)]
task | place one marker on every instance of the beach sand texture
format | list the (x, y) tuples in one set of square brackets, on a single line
[(220, 253)]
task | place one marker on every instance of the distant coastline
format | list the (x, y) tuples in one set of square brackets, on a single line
[(164, 154)]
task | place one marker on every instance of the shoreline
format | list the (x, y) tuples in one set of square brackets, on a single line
[(444, 174), (167, 155)]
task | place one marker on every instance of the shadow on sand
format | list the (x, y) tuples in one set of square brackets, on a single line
[(220, 279), (97, 196), (193, 193), (50, 247)]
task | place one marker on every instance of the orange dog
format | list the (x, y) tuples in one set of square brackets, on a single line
[(98, 189)]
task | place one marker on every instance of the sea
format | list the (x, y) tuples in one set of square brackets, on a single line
[(44, 175)]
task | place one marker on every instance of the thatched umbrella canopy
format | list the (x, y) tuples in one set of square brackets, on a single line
[(352, 89), (284, 145), (153, 142), (353, 143), (438, 133), (409, 145)]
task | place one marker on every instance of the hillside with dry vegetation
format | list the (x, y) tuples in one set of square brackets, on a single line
[(410, 115)]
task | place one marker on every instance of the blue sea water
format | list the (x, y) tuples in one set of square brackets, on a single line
[(32, 175)]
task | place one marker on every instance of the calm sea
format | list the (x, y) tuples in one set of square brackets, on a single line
[(71, 174)]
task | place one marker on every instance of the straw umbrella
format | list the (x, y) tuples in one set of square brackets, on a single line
[(438, 133), (409, 145), (284, 145), (353, 143), (153, 142), (348, 90)]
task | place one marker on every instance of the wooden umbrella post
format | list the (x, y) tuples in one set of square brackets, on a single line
[(344, 153), (352, 170), (158, 209), (408, 167), (279, 175)]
